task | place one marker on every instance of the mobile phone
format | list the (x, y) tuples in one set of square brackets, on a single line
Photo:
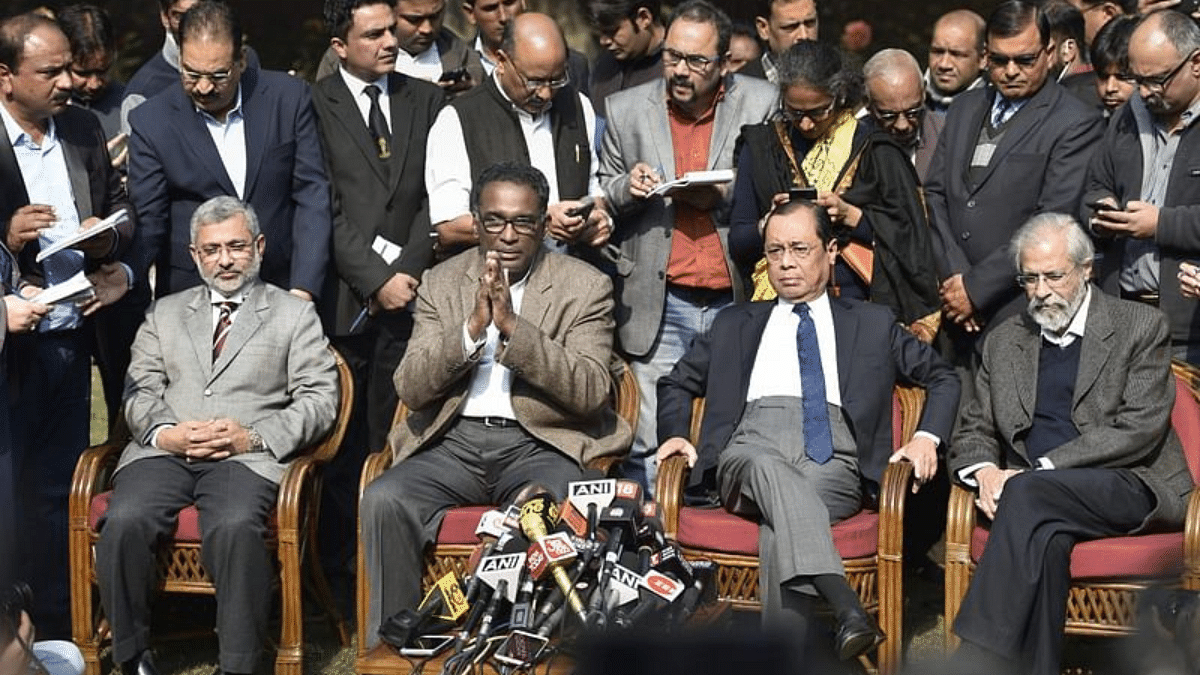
[(427, 645), (809, 193), (521, 649), (1104, 206), (584, 209), (453, 75), (1187, 6)]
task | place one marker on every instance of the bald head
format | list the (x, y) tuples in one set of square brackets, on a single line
[(533, 61), (963, 20), (896, 93), (956, 51), (535, 36), (1157, 52)]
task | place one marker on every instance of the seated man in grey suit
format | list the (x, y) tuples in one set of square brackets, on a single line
[(797, 426), (1068, 439), (227, 380), (507, 380)]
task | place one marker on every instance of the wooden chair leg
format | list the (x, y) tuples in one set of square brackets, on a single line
[(290, 658), (316, 573)]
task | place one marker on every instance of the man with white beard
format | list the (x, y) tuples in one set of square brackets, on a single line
[(1068, 439)]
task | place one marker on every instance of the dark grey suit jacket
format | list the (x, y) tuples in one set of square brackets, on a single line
[(1039, 166), (1124, 393), (1116, 171), (373, 197)]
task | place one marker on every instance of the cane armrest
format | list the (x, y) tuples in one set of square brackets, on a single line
[(1191, 544), (93, 474), (897, 483), (672, 475), (376, 464)]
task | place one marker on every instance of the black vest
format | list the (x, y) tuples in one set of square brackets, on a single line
[(1052, 425), (492, 134)]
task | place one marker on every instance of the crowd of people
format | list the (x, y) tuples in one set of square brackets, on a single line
[(490, 229)]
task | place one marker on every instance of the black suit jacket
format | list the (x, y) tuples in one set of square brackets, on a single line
[(873, 353), (371, 197), (95, 184), (1116, 171), (174, 167), (1039, 166)]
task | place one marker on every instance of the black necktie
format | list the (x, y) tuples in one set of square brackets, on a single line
[(818, 439), (224, 323), (377, 123)]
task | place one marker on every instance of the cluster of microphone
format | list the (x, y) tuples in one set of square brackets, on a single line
[(597, 561)]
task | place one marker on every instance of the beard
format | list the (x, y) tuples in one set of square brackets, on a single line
[(1055, 313), (230, 287)]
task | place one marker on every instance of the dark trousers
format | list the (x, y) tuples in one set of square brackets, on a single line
[(1017, 602), (49, 421), (233, 503), (402, 509), (373, 356)]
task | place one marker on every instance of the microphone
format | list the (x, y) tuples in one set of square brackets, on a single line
[(619, 520), (534, 515)]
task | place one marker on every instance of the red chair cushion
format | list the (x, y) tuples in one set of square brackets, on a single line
[(1145, 555), (187, 528), (458, 526), (1185, 420), (719, 530)]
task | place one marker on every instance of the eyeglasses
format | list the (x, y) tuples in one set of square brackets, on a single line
[(524, 225), (532, 85), (1022, 60), (1161, 82), (814, 115), (218, 78), (890, 116), (695, 62), (1052, 279), (236, 249), (775, 252)]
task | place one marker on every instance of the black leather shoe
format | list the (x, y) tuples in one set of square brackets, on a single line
[(143, 664), (857, 634)]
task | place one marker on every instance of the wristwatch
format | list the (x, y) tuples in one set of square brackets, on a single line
[(257, 444)]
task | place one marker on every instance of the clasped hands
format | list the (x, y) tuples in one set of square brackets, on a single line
[(493, 301), (207, 441)]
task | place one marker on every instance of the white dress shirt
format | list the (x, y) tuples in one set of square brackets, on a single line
[(230, 139), (777, 366), (448, 167), (490, 394), (358, 88), (424, 66)]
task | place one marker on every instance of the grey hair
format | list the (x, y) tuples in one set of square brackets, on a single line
[(220, 209), (885, 62), (1079, 245)]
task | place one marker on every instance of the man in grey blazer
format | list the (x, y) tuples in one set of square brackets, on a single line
[(1017, 147), (507, 382), (1068, 439), (673, 269), (227, 380)]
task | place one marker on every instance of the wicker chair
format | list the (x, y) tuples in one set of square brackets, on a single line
[(1106, 574), (293, 534), (456, 538), (871, 543)]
